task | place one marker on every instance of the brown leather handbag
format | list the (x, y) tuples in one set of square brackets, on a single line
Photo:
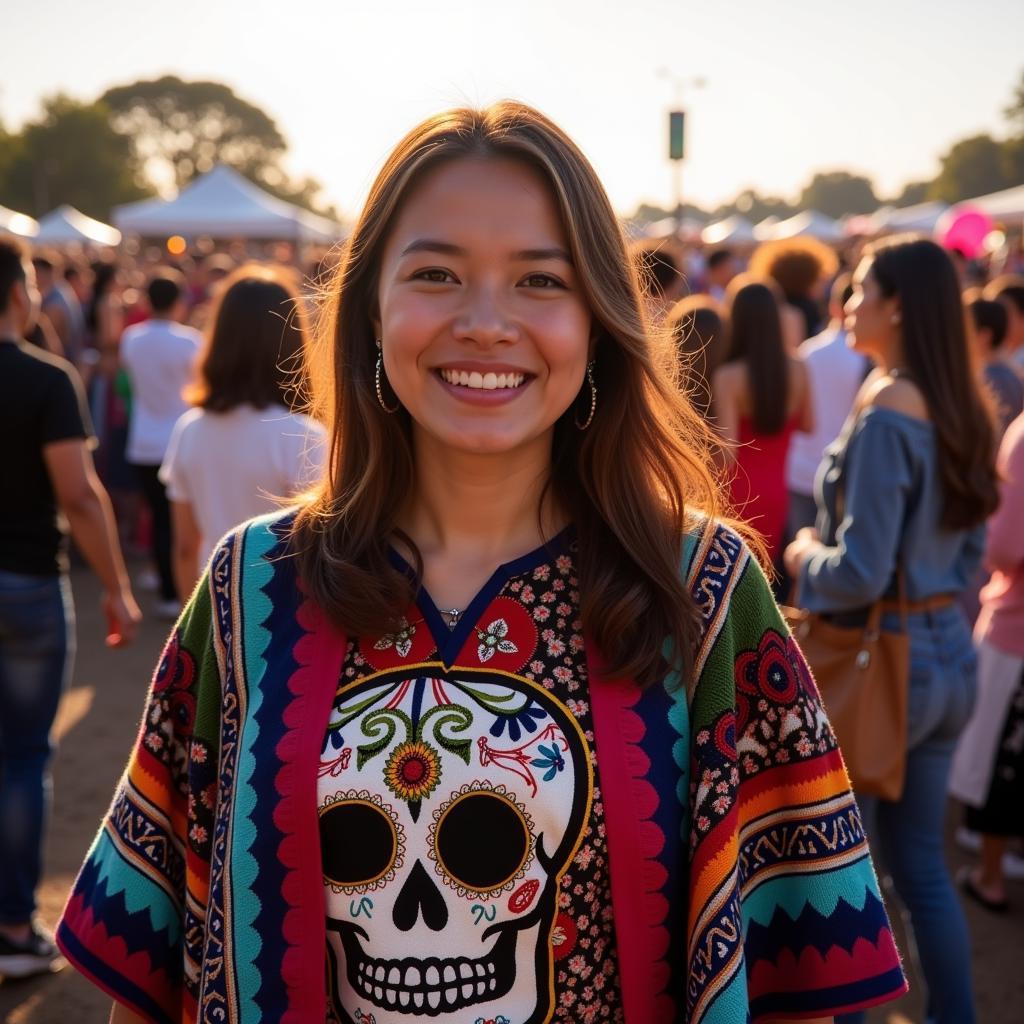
[(863, 674)]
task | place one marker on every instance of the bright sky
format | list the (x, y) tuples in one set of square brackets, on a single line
[(880, 87)]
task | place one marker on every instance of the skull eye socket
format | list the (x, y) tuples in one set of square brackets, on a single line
[(482, 841), (359, 840)]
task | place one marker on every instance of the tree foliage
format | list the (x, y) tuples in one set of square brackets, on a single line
[(180, 129), (69, 155), (838, 193), (972, 167)]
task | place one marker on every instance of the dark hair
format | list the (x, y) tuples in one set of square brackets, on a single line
[(46, 260), (657, 269), (718, 257), (1007, 286), (254, 345), (103, 274), (12, 268), (935, 352), (755, 338), (165, 288), (632, 483), (991, 316), (698, 325)]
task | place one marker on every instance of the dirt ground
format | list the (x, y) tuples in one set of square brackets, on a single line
[(96, 726)]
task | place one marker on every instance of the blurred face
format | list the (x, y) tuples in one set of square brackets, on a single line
[(870, 315), (24, 302), (484, 326)]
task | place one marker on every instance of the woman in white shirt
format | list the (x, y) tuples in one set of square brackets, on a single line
[(243, 447)]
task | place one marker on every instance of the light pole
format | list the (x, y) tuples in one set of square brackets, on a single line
[(676, 133)]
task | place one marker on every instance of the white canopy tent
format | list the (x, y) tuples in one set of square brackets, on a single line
[(763, 228), (224, 204), (66, 226), (731, 229), (1001, 205), (809, 223), (920, 217), (20, 224)]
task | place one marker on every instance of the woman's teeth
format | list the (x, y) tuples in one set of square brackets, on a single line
[(483, 381)]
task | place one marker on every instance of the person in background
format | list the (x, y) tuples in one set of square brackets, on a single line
[(79, 279), (988, 769), (60, 305), (835, 373), (760, 398), (699, 327), (158, 357), (1008, 291), (802, 268), (991, 324), (242, 448), (906, 490), (721, 267), (659, 277), (47, 480)]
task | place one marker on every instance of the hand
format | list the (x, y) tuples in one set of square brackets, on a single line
[(122, 615), (797, 552)]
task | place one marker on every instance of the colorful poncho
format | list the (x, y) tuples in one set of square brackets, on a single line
[(742, 887)]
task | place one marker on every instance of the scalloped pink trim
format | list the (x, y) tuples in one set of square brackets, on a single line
[(634, 843), (319, 654)]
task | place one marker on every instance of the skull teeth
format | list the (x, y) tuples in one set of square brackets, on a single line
[(432, 985)]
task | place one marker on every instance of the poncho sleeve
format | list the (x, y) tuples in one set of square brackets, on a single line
[(132, 923), (786, 918)]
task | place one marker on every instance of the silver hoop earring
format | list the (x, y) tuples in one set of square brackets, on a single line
[(593, 399), (377, 377)]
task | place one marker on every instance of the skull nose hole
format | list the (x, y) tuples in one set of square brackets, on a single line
[(419, 895)]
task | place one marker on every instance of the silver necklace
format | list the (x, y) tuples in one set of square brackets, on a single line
[(453, 615)]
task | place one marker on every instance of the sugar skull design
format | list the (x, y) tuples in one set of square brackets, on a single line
[(454, 806)]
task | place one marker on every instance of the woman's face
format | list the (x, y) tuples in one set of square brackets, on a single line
[(484, 325), (870, 314)]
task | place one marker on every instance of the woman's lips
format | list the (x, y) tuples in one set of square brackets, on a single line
[(483, 396)]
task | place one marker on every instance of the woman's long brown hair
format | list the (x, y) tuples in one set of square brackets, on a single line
[(632, 483), (937, 356), (755, 339)]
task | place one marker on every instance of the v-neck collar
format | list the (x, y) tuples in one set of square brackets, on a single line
[(449, 641)]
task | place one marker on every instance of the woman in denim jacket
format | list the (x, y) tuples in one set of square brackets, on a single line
[(915, 467)]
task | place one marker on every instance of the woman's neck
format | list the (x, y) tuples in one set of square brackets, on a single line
[(480, 505)]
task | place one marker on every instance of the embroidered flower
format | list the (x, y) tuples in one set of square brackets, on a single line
[(556, 648), (525, 718), (552, 760), (413, 771), (493, 639), (400, 640), (542, 613)]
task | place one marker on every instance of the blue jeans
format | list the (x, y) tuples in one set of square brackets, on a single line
[(36, 652), (907, 835)]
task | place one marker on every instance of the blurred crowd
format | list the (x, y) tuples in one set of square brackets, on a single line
[(187, 372)]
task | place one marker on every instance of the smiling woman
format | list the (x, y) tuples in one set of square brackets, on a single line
[(502, 724)]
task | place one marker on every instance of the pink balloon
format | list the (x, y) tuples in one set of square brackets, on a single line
[(965, 228)]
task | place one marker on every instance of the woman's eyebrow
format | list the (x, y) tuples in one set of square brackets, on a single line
[(451, 249), (553, 253)]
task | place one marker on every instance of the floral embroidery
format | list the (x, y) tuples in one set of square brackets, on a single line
[(400, 640), (493, 639), (552, 761), (412, 771)]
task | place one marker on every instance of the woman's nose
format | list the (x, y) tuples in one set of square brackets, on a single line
[(484, 319)]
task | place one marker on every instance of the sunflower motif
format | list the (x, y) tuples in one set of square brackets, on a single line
[(412, 771), (401, 639), (493, 639)]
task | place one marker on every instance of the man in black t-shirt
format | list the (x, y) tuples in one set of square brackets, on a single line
[(47, 486)]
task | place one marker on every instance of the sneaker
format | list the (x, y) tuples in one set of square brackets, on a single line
[(35, 955), (148, 580)]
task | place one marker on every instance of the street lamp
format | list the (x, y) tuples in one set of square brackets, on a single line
[(677, 134)]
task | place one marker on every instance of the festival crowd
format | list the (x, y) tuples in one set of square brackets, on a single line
[(868, 404)]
